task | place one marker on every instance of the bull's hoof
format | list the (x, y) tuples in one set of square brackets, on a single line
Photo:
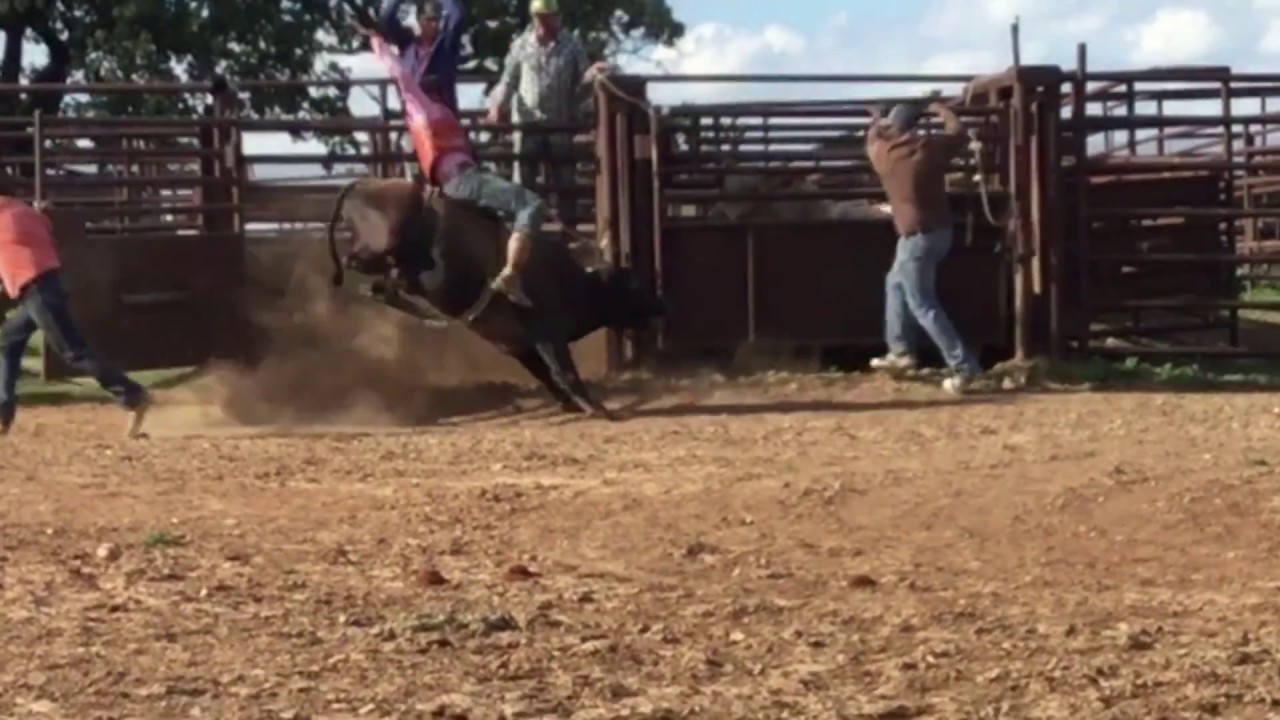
[(604, 413)]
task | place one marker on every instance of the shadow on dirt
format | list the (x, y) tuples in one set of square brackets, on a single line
[(794, 407)]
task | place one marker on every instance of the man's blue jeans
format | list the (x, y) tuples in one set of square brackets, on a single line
[(43, 306), (911, 301)]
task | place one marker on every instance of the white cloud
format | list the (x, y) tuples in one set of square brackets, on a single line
[(1084, 23), (1174, 35), (1004, 11), (1270, 43), (715, 48), (975, 62)]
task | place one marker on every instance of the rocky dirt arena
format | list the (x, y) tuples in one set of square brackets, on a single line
[(331, 536), (818, 547)]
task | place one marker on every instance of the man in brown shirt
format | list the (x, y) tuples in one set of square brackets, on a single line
[(912, 167)]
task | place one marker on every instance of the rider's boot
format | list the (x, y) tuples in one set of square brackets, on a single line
[(507, 281)]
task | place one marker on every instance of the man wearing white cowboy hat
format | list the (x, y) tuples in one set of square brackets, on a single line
[(545, 80)]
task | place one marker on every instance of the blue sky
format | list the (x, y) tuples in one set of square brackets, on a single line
[(953, 36), (806, 15)]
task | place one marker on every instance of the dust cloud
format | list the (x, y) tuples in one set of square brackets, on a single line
[(332, 360)]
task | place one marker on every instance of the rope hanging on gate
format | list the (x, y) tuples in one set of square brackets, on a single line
[(975, 147)]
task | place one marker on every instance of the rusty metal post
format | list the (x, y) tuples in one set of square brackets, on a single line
[(1051, 215), (1160, 131), (1108, 142), (658, 152), (606, 175), (1131, 101), (1229, 227), (237, 166), (1248, 202), (1079, 119), (47, 357), (37, 139), (625, 194), (607, 203), (1019, 192), (751, 287), (644, 193)]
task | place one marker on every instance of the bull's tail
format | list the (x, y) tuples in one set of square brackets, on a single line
[(333, 226)]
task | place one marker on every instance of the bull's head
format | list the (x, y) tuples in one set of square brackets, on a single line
[(631, 305), (375, 209)]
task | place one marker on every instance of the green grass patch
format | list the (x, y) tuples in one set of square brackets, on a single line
[(164, 539), (1132, 373), (34, 390), (1261, 292)]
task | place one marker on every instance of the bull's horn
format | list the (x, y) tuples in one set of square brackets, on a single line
[(333, 224)]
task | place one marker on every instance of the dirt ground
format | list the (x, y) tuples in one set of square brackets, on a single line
[(380, 521), (787, 547)]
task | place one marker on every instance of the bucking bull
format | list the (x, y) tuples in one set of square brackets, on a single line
[(421, 246)]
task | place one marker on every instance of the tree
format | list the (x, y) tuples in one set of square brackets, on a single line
[(141, 41), (609, 28)]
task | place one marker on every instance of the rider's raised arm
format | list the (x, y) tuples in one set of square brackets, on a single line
[(390, 27), (452, 27)]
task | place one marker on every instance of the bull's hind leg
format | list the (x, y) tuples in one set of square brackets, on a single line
[(537, 367), (564, 371)]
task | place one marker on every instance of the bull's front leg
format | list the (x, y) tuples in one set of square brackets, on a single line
[(538, 368), (564, 371)]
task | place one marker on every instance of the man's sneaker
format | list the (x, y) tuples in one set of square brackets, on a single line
[(137, 414), (508, 284), (957, 384), (7, 414), (894, 361)]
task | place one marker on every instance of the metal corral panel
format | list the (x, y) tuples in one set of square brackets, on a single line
[(1184, 189), (819, 284), (704, 281), (1119, 281), (152, 301), (1128, 240)]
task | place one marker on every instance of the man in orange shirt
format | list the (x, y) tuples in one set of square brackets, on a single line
[(30, 274)]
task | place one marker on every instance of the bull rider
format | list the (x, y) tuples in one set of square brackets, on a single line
[(446, 159)]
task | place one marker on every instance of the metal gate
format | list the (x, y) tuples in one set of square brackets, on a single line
[(150, 233), (759, 222)]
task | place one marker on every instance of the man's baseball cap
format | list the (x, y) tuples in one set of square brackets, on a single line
[(544, 7), (904, 117)]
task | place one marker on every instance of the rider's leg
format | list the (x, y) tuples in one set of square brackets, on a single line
[(511, 201)]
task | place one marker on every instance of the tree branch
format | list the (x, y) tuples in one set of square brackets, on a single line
[(11, 65), (57, 70)]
